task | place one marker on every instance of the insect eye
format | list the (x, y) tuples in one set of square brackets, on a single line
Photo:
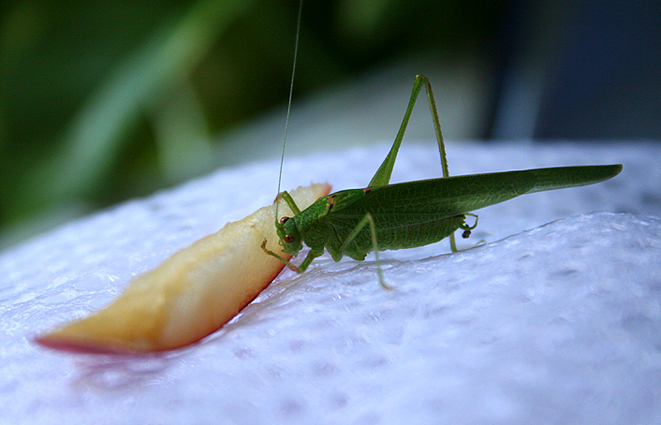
[(283, 220), (288, 238)]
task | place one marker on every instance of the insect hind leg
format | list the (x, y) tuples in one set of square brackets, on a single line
[(382, 175)]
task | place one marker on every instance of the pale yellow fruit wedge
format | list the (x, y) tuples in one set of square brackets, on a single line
[(190, 295)]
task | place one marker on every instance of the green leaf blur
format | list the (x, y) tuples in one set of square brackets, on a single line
[(103, 101)]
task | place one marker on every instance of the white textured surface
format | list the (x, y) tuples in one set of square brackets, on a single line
[(553, 324)]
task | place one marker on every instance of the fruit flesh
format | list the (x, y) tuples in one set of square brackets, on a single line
[(191, 294)]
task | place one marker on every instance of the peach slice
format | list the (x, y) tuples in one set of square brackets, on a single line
[(191, 294)]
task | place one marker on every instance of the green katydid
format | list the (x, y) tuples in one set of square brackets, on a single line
[(386, 216)]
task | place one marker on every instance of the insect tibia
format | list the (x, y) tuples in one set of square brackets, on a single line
[(286, 262), (290, 202)]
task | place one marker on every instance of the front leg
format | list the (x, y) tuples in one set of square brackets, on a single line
[(290, 201), (298, 269)]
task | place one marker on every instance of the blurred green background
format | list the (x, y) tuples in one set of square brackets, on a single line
[(104, 101)]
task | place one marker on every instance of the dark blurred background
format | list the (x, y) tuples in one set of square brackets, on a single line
[(104, 101)]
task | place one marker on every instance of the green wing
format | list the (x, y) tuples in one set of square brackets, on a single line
[(446, 197)]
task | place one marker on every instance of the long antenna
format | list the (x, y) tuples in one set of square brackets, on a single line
[(291, 93)]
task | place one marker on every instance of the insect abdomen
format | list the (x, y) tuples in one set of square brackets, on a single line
[(419, 234), (394, 235)]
